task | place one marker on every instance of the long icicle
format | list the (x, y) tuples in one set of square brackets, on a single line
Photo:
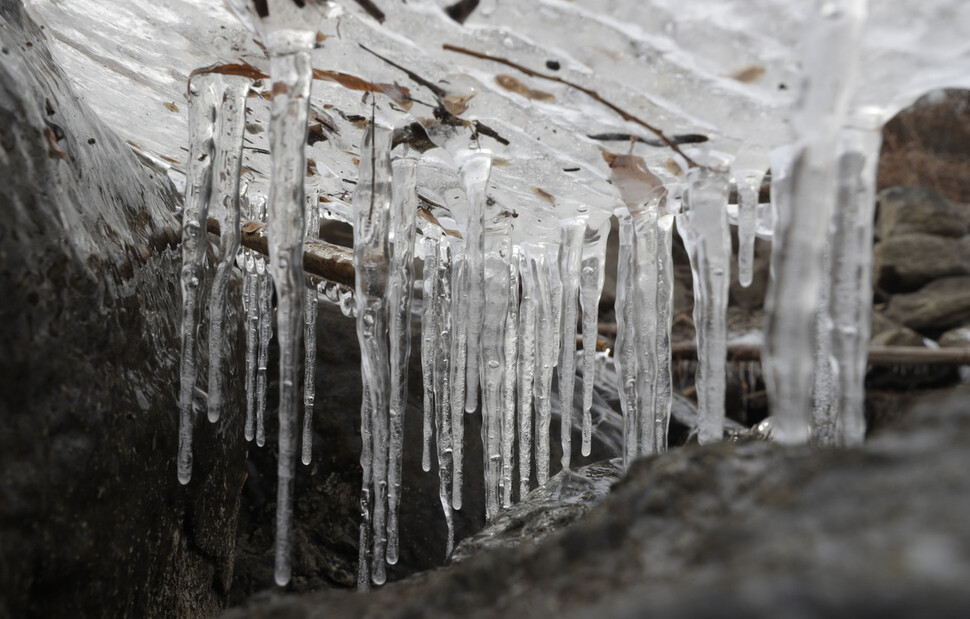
[(625, 353), (645, 317), (474, 168), (509, 370), (525, 378), (494, 315), (704, 228), (225, 197), (251, 306), (538, 276), (292, 76), (442, 388), (310, 334), (404, 206), (665, 309), (591, 279), (372, 205), (572, 232), (459, 343), (429, 343), (204, 96), (264, 299)]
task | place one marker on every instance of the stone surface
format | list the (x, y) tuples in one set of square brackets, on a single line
[(93, 521), (938, 306), (899, 336), (751, 530), (917, 210), (905, 263), (956, 338)]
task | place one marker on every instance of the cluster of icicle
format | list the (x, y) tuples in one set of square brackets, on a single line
[(503, 317)]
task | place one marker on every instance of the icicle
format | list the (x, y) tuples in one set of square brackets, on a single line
[(537, 276), (292, 75), (851, 298), (592, 277), (570, 263), (372, 204), (526, 371), (225, 197), (645, 317), (265, 301), (494, 316), (829, 62), (748, 168), (474, 168), (204, 97), (404, 208), (824, 378), (704, 228), (429, 340), (310, 334), (665, 311), (625, 352), (459, 342), (509, 370), (442, 388), (251, 303), (555, 295)]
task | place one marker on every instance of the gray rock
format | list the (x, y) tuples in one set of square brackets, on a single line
[(93, 521), (956, 338), (899, 336), (905, 263), (749, 529), (938, 306), (917, 210)]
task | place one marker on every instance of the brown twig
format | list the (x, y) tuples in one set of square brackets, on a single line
[(588, 91)]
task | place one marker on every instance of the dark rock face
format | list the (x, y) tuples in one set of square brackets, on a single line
[(751, 530), (93, 521)]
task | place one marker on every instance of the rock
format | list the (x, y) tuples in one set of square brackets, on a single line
[(936, 307), (93, 521), (566, 497), (905, 263), (899, 336), (881, 323), (757, 528), (917, 210), (956, 338)]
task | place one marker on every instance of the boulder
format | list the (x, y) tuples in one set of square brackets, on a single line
[(93, 520), (917, 210), (757, 528), (938, 306), (898, 336), (907, 262), (956, 338)]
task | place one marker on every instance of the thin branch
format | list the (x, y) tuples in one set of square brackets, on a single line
[(588, 91)]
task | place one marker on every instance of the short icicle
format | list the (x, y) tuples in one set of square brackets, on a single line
[(572, 232), (591, 279), (404, 206), (310, 335), (474, 168), (748, 168), (372, 205), (525, 375), (205, 94), (704, 228), (225, 199)]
